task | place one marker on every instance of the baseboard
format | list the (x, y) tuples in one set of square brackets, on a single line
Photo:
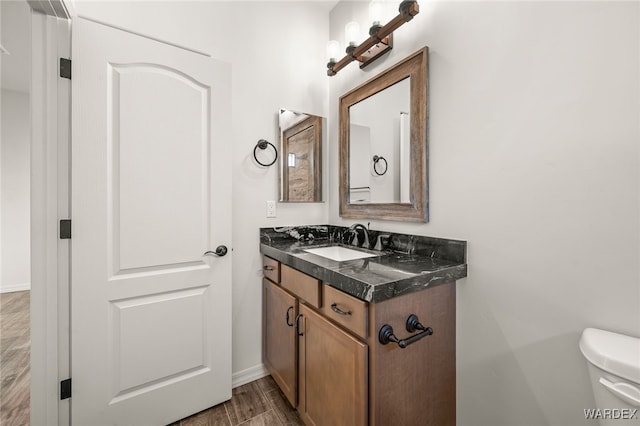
[(15, 287), (249, 375)]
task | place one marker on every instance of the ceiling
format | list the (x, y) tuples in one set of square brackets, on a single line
[(16, 38)]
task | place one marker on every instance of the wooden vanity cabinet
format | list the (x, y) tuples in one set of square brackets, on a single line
[(321, 368), (305, 287), (332, 367), (346, 310), (280, 343), (271, 269), (414, 386), (332, 373)]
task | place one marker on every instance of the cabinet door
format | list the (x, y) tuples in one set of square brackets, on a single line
[(332, 373), (280, 343)]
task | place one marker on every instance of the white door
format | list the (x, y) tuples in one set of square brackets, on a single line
[(150, 312)]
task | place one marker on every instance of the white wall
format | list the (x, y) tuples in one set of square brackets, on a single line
[(15, 271), (14, 147), (16, 38), (533, 159), (1, 232), (277, 54)]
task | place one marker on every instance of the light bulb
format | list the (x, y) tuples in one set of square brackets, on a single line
[(375, 11), (352, 32), (333, 49)]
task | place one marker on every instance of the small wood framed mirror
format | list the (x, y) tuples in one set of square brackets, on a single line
[(383, 144), (301, 157)]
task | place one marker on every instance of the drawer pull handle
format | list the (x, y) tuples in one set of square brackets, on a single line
[(267, 268), (334, 308), (287, 316), (386, 335)]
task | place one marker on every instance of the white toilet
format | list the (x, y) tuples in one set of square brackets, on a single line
[(614, 367)]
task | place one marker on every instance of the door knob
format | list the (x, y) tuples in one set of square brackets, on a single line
[(220, 251)]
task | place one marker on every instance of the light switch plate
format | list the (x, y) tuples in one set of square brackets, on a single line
[(271, 209)]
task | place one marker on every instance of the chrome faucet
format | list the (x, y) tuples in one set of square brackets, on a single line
[(356, 237), (382, 242)]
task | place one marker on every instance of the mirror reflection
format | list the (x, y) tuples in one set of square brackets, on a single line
[(379, 150), (301, 156)]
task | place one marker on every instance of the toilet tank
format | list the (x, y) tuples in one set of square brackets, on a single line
[(614, 368)]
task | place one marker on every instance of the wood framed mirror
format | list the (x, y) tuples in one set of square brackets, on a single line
[(383, 144), (301, 157)]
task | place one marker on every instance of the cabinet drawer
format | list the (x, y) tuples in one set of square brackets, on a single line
[(346, 310), (271, 269), (302, 285)]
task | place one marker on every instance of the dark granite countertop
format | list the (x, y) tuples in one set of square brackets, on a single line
[(403, 263)]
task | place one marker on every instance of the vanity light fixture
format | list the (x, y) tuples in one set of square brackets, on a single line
[(375, 15), (333, 49), (351, 34), (380, 38)]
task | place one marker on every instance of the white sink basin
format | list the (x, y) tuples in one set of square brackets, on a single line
[(339, 253)]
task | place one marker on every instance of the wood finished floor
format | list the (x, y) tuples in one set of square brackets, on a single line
[(15, 341), (259, 403), (254, 404)]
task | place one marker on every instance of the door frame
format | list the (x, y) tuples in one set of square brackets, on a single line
[(50, 202)]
